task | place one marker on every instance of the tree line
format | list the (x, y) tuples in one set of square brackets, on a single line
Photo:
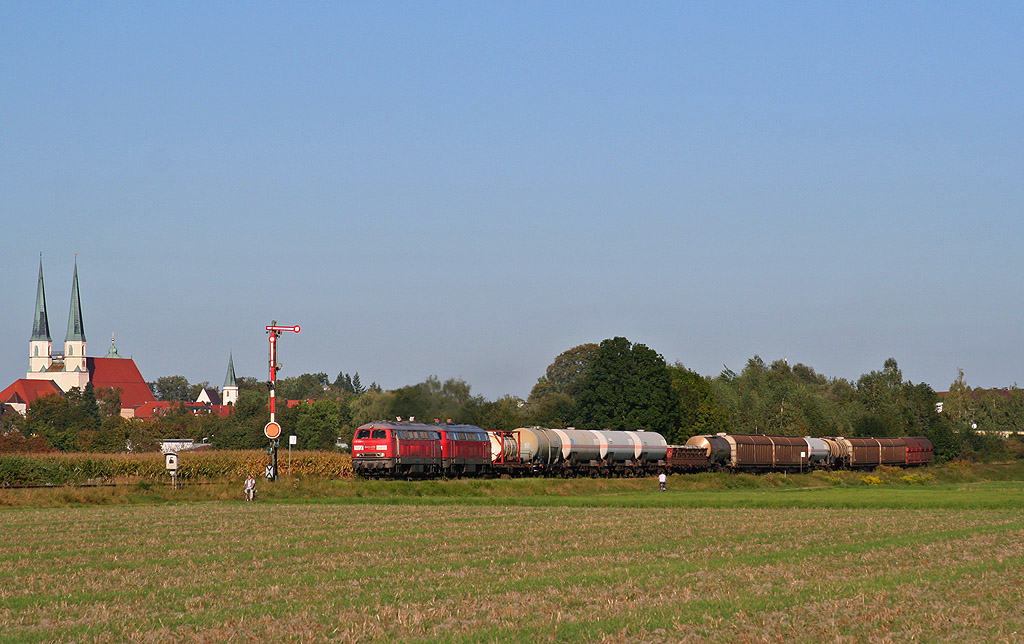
[(615, 384)]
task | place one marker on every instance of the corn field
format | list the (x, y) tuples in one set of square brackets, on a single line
[(81, 469)]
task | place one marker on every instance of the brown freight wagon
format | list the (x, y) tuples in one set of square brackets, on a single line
[(872, 452), (919, 450), (758, 452)]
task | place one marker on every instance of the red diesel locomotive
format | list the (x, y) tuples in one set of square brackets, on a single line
[(389, 449)]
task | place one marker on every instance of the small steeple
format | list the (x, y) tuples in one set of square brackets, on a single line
[(229, 380), (41, 325), (112, 353), (229, 393), (76, 330)]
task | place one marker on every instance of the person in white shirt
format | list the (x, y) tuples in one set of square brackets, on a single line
[(250, 488), (661, 481)]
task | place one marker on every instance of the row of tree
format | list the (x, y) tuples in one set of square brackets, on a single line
[(616, 385)]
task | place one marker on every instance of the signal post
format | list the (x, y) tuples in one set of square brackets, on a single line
[(272, 430)]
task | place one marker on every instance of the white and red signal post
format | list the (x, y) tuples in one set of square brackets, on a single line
[(272, 430)]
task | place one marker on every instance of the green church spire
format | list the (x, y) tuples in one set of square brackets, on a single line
[(229, 380), (41, 325), (76, 331)]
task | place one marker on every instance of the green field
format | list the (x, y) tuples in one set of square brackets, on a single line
[(519, 561)]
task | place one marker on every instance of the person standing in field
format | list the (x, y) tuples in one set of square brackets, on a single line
[(661, 481), (250, 488)]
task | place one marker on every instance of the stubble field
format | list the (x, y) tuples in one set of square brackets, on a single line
[(365, 572)]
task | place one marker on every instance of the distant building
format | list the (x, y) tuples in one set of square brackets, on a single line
[(229, 394), (158, 408), (209, 396), (72, 368), (175, 445), (23, 392)]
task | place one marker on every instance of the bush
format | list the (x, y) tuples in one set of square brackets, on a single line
[(917, 479)]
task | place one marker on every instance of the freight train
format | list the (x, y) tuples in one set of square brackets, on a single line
[(386, 449)]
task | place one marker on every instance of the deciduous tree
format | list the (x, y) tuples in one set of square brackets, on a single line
[(627, 387)]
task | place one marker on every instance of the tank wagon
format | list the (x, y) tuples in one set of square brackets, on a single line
[(573, 452), (407, 449)]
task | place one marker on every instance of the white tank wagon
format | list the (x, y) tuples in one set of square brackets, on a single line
[(819, 452), (609, 452), (579, 446), (539, 445)]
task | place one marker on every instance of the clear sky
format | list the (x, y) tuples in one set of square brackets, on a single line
[(469, 189)]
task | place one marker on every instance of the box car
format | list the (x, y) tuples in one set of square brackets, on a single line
[(866, 453), (919, 450)]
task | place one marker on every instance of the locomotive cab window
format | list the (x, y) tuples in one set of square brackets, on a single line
[(363, 433), (380, 433)]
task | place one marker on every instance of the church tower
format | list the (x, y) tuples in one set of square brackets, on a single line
[(74, 341), (229, 394), (76, 370), (40, 347)]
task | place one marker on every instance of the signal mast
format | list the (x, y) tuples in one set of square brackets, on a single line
[(272, 430)]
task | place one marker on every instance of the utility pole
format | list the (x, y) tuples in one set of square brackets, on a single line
[(272, 430)]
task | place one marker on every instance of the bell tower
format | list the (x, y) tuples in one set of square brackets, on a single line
[(76, 370), (229, 394), (40, 347), (74, 341)]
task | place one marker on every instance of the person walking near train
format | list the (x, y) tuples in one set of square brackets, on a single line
[(661, 481)]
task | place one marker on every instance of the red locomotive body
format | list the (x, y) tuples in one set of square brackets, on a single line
[(393, 449), (465, 449)]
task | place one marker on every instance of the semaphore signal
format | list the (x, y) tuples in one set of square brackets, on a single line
[(272, 430)]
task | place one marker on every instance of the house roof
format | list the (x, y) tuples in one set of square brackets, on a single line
[(156, 408), (121, 373), (212, 396), (26, 391)]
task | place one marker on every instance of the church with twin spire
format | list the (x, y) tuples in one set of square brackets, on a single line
[(53, 372)]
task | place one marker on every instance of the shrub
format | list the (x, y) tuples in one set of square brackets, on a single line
[(917, 479), (871, 480)]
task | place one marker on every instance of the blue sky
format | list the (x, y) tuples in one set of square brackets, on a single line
[(468, 189)]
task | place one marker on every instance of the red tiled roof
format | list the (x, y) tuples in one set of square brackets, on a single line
[(123, 374), (155, 408), (27, 391)]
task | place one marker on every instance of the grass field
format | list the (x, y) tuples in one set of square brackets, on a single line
[(522, 561)]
